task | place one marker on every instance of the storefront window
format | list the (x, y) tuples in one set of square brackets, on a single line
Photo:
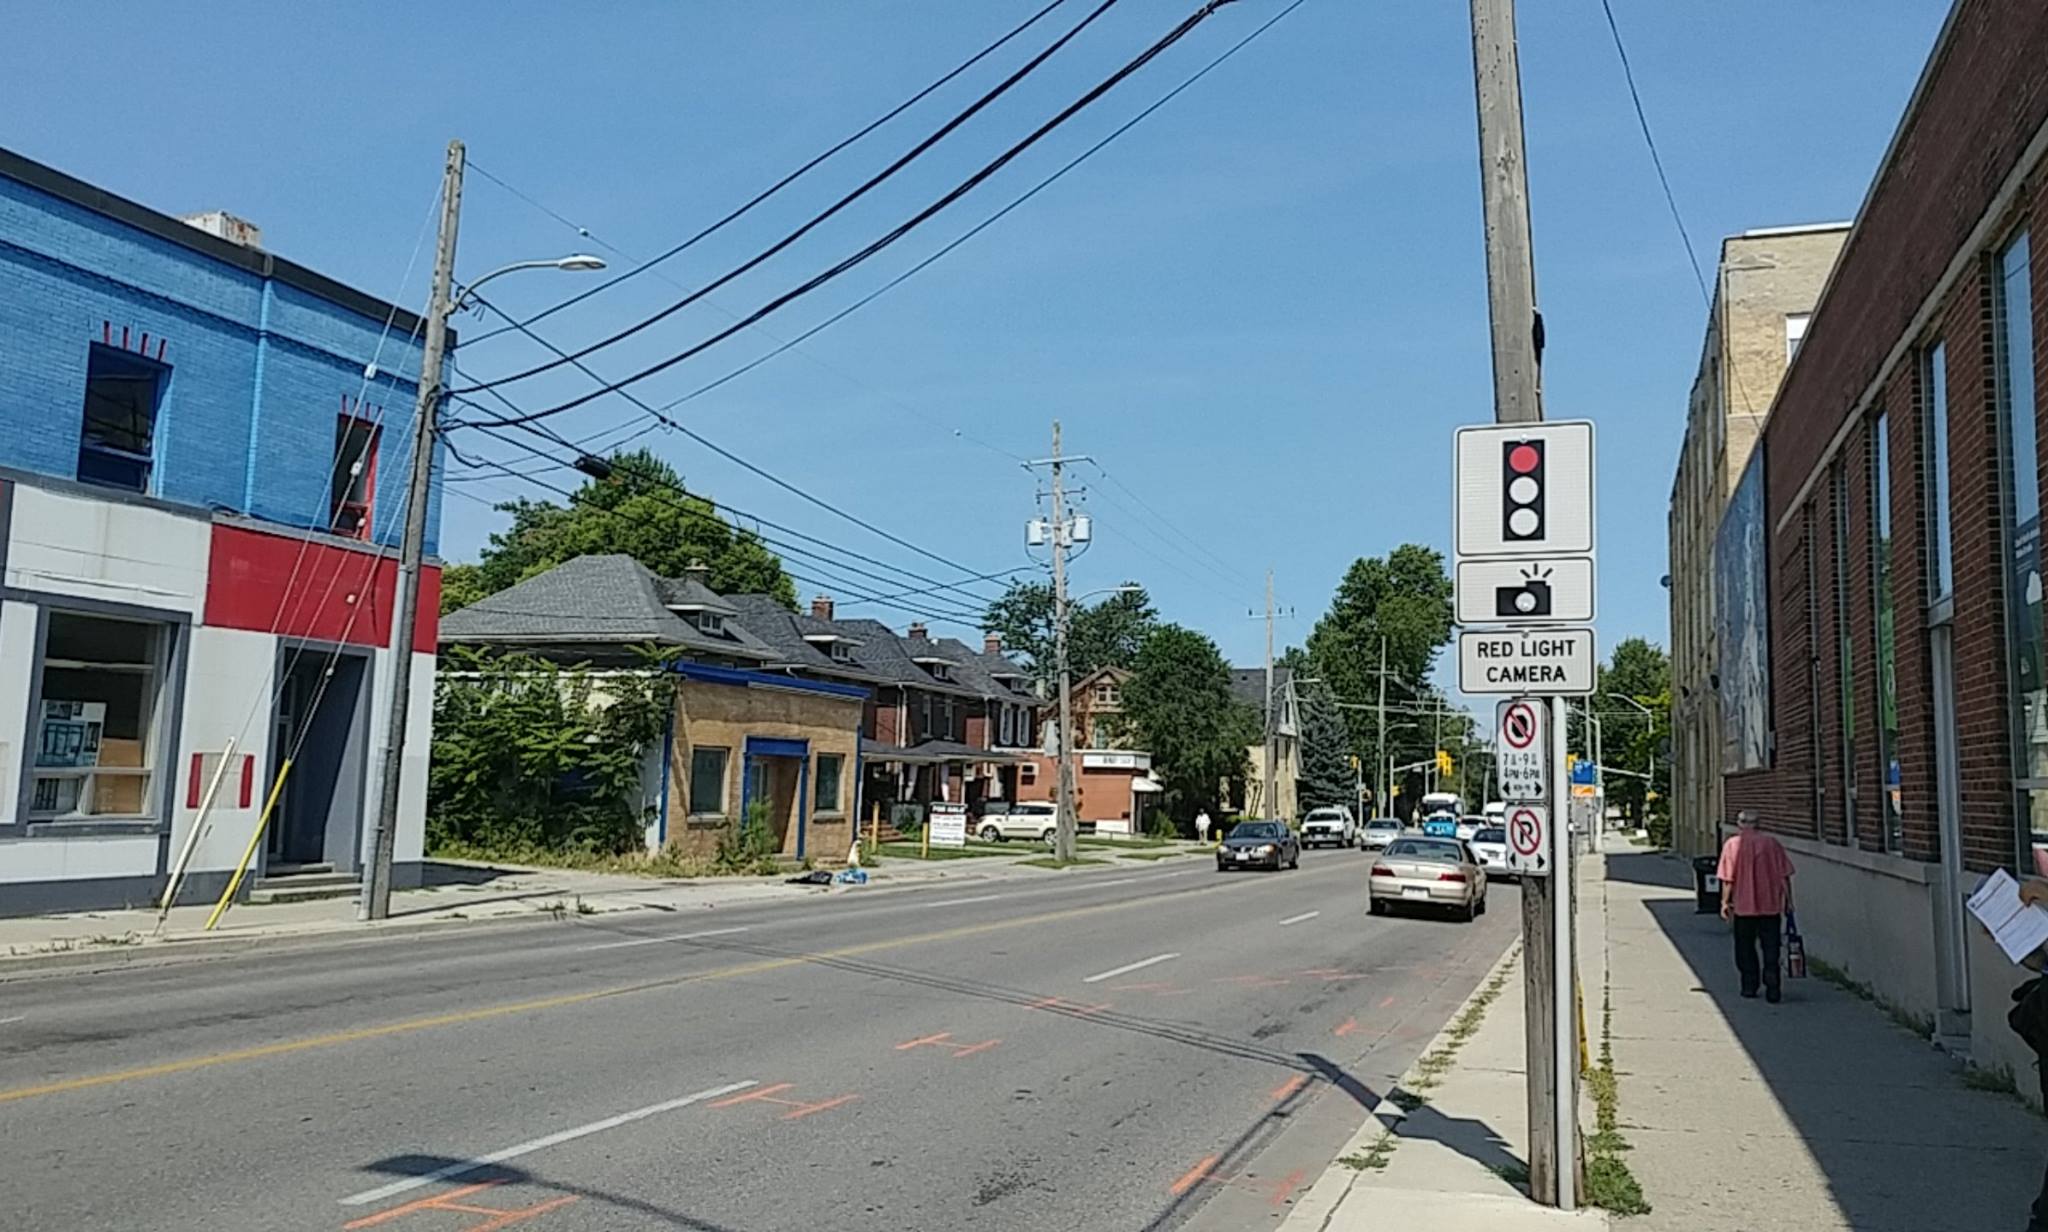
[(1845, 657), (101, 682), (830, 768), (2016, 413), (1881, 585), (707, 780)]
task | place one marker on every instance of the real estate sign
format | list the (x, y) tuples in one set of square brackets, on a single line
[(948, 824)]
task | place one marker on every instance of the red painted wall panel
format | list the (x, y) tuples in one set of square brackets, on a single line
[(260, 581)]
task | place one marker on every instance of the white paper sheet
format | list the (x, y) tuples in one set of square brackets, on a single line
[(2018, 928)]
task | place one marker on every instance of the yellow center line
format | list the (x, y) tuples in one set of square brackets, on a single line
[(485, 1013)]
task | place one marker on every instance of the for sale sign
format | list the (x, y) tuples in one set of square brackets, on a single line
[(1522, 750)]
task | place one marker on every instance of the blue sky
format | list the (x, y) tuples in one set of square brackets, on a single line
[(1262, 310)]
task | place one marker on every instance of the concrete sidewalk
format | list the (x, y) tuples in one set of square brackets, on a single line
[(1814, 1115), (468, 891), (1818, 1113)]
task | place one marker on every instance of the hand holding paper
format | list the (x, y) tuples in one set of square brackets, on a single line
[(2018, 927)]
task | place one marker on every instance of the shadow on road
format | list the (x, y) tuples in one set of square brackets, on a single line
[(464, 1172)]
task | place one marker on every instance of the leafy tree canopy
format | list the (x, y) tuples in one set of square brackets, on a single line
[(1405, 599), (639, 511), (1104, 634), (1179, 704)]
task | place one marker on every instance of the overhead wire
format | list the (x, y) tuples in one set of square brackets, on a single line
[(817, 220), (1656, 158), (772, 189), (878, 245)]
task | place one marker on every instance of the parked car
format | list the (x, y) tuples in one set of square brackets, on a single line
[(1259, 844), (1490, 848), (1378, 832), (1470, 825), (1029, 819), (1333, 825), (1427, 872)]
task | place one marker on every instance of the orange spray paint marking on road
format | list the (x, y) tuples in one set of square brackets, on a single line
[(1069, 1007), (1285, 1187), (1346, 1027), (804, 1110), (772, 1095), (971, 1049), (1289, 1087), (1193, 1176), (496, 1217), (944, 1039), (1386, 1001), (767, 1093), (940, 1038)]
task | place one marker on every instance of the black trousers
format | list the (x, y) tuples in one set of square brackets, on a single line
[(1754, 932), (2039, 1223)]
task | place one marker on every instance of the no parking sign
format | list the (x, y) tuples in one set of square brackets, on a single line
[(1528, 827)]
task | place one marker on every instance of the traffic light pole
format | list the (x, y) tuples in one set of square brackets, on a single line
[(1554, 1174)]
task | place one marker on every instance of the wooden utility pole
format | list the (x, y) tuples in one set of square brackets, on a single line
[(1554, 1176), (1271, 799), (375, 903), (1063, 820)]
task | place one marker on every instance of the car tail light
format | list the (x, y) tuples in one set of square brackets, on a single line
[(1381, 870), (1450, 876)]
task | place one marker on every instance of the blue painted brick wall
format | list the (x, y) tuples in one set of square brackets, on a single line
[(225, 438)]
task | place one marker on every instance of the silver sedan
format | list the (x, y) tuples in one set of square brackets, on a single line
[(1427, 872)]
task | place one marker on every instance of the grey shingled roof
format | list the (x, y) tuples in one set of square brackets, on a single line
[(887, 654), (977, 668), (1248, 685), (688, 592), (590, 600), (783, 631)]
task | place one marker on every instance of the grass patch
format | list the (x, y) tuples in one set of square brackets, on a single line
[(1119, 841), (1149, 855), (1609, 1183), (1920, 1025), (1514, 1172), (668, 864), (1997, 1079), (915, 851), (1434, 1064), (1056, 862), (1374, 1157)]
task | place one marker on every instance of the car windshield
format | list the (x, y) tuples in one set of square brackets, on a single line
[(1423, 849), (1382, 823), (1257, 829), (1492, 834), (1326, 815)]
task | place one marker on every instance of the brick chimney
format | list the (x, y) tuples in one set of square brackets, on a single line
[(699, 572), (918, 633), (992, 644), (821, 607)]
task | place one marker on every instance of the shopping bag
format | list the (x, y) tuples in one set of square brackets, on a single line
[(1795, 949)]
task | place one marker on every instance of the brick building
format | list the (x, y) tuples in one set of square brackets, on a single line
[(1904, 747), (197, 503), (1765, 287)]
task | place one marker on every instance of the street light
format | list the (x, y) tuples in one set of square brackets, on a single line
[(375, 903), (1650, 782)]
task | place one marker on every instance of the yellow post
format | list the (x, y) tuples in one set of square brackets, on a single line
[(925, 847), (249, 852), (1585, 1053)]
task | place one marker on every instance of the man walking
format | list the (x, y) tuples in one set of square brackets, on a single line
[(1756, 891), (1202, 826)]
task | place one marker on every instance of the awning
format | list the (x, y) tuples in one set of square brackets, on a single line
[(1145, 785)]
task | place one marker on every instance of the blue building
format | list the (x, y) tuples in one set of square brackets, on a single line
[(203, 452)]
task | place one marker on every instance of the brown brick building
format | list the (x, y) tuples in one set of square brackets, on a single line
[(1904, 748)]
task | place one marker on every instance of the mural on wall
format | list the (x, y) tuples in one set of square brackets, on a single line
[(1742, 626)]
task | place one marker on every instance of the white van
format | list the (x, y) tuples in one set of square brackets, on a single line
[(1333, 825)]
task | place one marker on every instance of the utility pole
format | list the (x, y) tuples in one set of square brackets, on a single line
[(375, 903), (1554, 1155), (1063, 821), (1271, 798), (1380, 727)]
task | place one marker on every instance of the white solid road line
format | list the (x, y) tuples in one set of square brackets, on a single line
[(613, 945), (527, 1148), (1127, 968), (962, 902), (15, 1019), (1296, 919)]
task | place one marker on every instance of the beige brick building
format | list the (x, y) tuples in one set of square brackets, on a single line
[(1765, 287)]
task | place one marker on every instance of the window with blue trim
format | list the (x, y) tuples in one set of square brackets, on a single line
[(831, 769), (707, 780)]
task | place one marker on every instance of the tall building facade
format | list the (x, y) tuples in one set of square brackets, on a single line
[(1765, 287)]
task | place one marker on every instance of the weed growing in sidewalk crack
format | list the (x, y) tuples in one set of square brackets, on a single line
[(1997, 1079), (1921, 1025), (1609, 1183), (1514, 1172), (1374, 1157)]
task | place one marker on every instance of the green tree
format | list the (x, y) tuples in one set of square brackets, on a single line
[(461, 585), (1405, 600), (640, 511), (1104, 634), (1326, 777), (1179, 705), (1632, 745)]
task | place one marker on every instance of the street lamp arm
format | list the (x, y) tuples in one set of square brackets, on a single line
[(574, 261)]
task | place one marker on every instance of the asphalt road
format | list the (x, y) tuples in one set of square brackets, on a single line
[(1148, 1047)]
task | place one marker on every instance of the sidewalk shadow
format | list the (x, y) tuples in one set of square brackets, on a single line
[(453, 1172), (1899, 1140)]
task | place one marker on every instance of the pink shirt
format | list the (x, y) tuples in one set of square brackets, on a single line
[(1756, 865)]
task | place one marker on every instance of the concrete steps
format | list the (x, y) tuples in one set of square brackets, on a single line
[(304, 887)]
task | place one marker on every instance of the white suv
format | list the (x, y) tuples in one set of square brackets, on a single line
[(1332, 825), (1027, 820)]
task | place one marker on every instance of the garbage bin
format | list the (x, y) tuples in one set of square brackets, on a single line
[(1706, 884)]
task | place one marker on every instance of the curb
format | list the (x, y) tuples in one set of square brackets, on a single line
[(1315, 1207)]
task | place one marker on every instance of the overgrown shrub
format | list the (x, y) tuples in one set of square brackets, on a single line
[(532, 755), (747, 844)]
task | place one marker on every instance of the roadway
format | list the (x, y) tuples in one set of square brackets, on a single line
[(1145, 1047)]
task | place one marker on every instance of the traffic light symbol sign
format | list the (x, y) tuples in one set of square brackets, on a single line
[(1522, 491)]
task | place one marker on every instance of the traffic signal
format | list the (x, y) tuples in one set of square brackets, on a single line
[(1521, 505), (1443, 762)]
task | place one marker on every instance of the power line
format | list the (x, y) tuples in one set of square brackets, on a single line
[(521, 421), (817, 220), (762, 196), (897, 233), (1656, 159)]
